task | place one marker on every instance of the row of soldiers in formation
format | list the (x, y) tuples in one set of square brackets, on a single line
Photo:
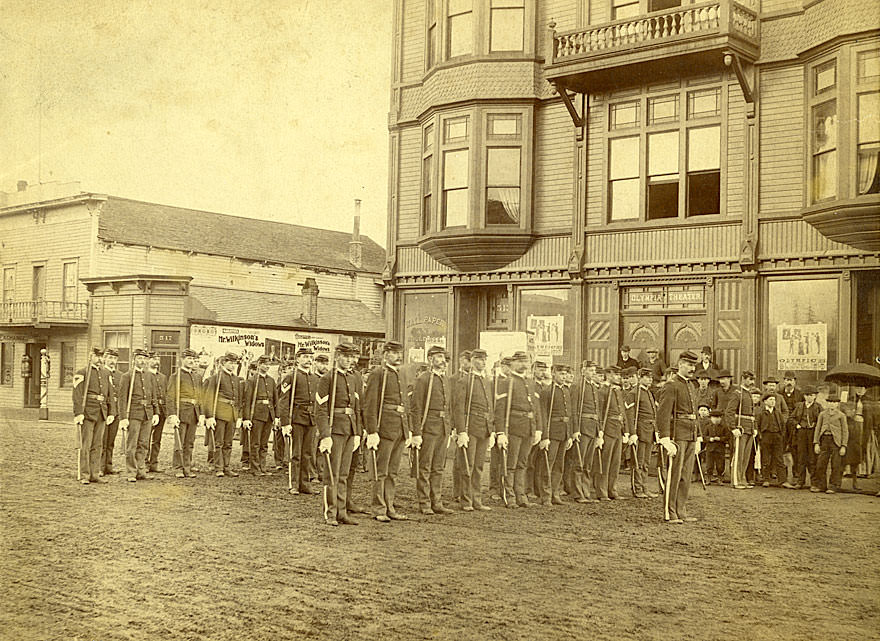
[(542, 431)]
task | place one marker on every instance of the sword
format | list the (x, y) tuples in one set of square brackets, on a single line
[(700, 470), (288, 443)]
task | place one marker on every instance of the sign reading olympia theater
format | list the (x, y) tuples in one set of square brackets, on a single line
[(250, 342), (802, 347)]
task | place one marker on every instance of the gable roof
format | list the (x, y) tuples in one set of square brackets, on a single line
[(236, 306), (135, 222)]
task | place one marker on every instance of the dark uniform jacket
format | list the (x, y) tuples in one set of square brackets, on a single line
[(100, 401), (304, 410), (642, 399), (115, 381), (614, 422), (228, 395), (190, 407), (431, 415), (676, 414), (521, 395), (557, 417), (586, 407), (336, 400), (474, 405), (739, 413), (144, 402), (392, 424), (159, 383), (259, 399)]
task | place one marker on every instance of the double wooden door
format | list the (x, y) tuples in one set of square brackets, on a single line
[(671, 335)]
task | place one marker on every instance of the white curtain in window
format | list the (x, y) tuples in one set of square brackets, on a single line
[(509, 197)]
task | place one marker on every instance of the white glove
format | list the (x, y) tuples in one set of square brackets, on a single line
[(600, 441), (544, 444), (237, 423), (634, 439), (325, 445), (737, 432), (568, 443), (110, 418), (201, 419), (211, 423), (373, 441), (698, 446), (247, 424), (576, 436), (173, 420), (625, 440), (276, 422), (155, 420), (123, 424), (78, 419), (409, 440), (668, 445), (286, 430), (417, 441), (463, 439), (491, 441), (502, 440), (536, 437), (357, 443)]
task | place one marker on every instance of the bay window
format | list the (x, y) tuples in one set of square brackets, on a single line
[(506, 20), (460, 28), (868, 121)]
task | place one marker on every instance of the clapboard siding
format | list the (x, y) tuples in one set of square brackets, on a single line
[(412, 46), (782, 139), (736, 107), (657, 246), (563, 12), (770, 6), (165, 310), (554, 160), (409, 193), (796, 239), (551, 252), (596, 163)]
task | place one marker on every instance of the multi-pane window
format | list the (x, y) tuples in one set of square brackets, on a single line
[(68, 282), (662, 175), (503, 169), (624, 114), (704, 170), (7, 360), (623, 174), (433, 39), (8, 284), (427, 179), (455, 188), (621, 9), (823, 142), (121, 342), (868, 122), (68, 363), (506, 25), (460, 28)]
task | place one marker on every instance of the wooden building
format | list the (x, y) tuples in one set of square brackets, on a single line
[(83, 269), (657, 172)]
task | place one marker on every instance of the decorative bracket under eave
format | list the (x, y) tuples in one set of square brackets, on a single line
[(745, 83), (572, 111)]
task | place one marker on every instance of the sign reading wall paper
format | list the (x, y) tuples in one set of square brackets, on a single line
[(802, 347), (548, 334)]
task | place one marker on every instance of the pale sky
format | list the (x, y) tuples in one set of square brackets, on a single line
[(273, 109)]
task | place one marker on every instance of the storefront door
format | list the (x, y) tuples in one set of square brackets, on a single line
[(684, 333), (643, 332), (32, 384)]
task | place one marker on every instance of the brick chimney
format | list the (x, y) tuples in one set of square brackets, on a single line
[(355, 246), (310, 302)]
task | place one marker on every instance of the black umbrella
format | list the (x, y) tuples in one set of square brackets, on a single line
[(856, 374)]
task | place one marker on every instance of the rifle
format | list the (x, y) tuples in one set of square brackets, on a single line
[(546, 454), (289, 440), (131, 373), (179, 441), (503, 449), (636, 430), (602, 428), (379, 421), (467, 422), (327, 461)]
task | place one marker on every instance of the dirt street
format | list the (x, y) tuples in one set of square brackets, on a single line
[(240, 559)]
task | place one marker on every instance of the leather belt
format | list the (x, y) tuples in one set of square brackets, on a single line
[(691, 417), (262, 401), (397, 409), (439, 413), (228, 401), (595, 417), (344, 410), (96, 397), (522, 413), (475, 414), (191, 401), (746, 416), (563, 419)]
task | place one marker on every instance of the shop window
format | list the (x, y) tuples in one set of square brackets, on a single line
[(68, 283), (425, 323), (68, 363), (506, 25), (7, 363), (460, 30), (121, 341), (801, 328), (548, 315)]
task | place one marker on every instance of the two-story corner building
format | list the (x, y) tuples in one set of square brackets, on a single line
[(654, 172), (81, 269)]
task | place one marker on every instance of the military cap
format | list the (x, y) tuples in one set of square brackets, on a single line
[(770, 379), (704, 373), (230, 357), (97, 351), (265, 358), (111, 351), (706, 350), (810, 389), (748, 374), (644, 371), (629, 371), (833, 398), (302, 351), (392, 346), (540, 365), (519, 355), (724, 373), (432, 350), (140, 352), (624, 348), (688, 357), (466, 354), (560, 367), (479, 353), (652, 350), (716, 413), (189, 353), (588, 363), (346, 349), (703, 404), (789, 374), (322, 358), (614, 369), (507, 360), (151, 354)]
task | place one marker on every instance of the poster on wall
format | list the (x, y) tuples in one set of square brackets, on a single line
[(802, 347), (500, 344), (548, 333)]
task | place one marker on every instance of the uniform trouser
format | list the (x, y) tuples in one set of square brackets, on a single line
[(554, 455), (531, 480), (459, 475), (606, 480), (300, 444), (715, 463), (496, 459), (771, 457), (245, 439), (432, 460), (336, 498), (91, 444), (679, 482), (476, 457), (387, 461), (109, 441), (156, 440), (739, 459), (279, 447), (518, 448), (828, 450), (804, 456), (136, 448), (210, 442), (186, 438), (259, 442), (640, 470), (223, 435), (589, 465), (356, 455)]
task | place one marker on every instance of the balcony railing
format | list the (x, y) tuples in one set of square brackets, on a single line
[(718, 18), (32, 312)]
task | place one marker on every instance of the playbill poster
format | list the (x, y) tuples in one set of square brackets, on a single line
[(802, 347), (548, 333)]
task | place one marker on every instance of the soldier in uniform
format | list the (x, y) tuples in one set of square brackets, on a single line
[(260, 399), (94, 403), (459, 474), (111, 359), (385, 419), (430, 420), (585, 408), (244, 436), (321, 367), (474, 424), (613, 427), (357, 454), (496, 456), (340, 433), (557, 433), (644, 426), (303, 384), (184, 405), (139, 409), (279, 442), (516, 415), (159, 383), (679, 436), (739, 418), (222, 407)]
